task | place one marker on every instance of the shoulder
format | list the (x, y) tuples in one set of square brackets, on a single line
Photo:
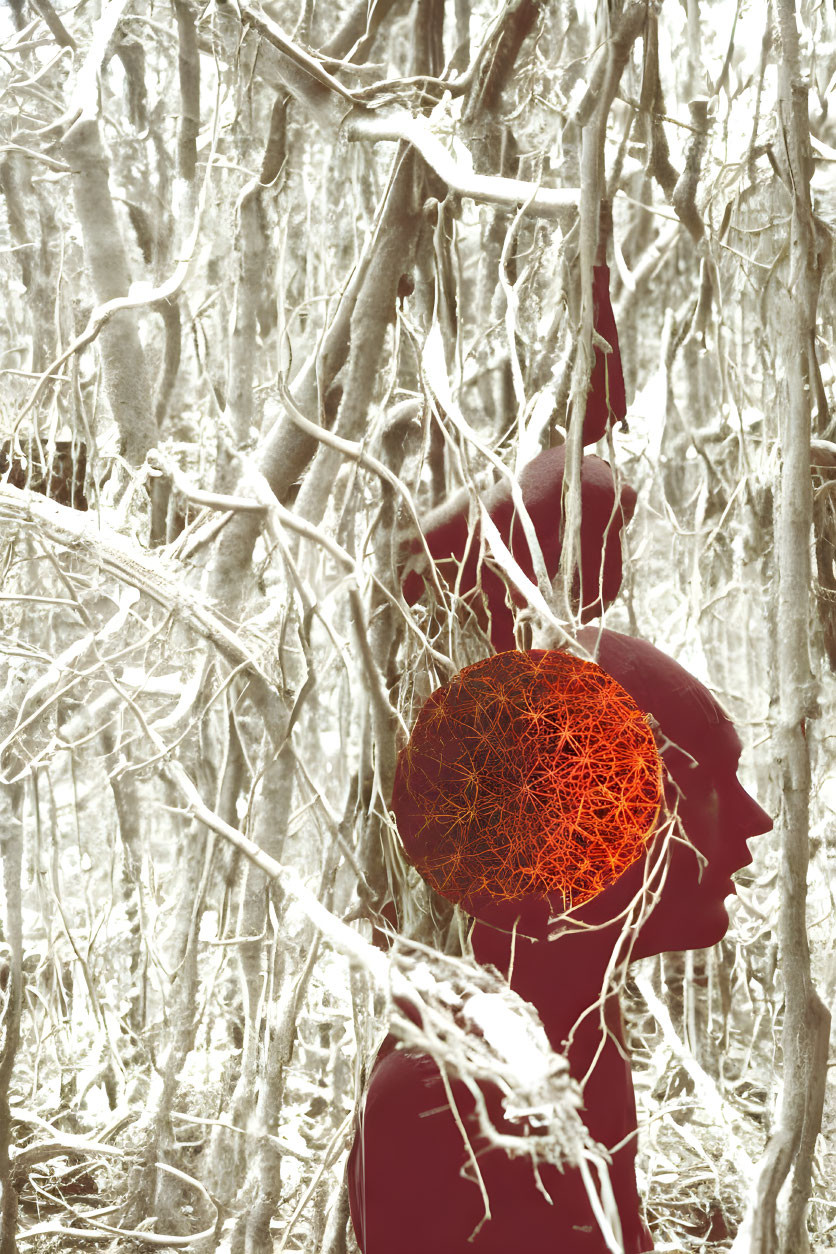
[(408, 1165), (422, 1176)]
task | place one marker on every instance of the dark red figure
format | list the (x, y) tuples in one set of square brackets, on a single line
[(606, 401), (457, 551), (481, 585), (410, 1186), (517, 776)]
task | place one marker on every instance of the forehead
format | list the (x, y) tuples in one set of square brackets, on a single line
[(688, 716), (715, 749)]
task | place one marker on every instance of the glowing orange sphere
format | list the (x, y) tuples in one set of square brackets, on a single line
[(528, 774)]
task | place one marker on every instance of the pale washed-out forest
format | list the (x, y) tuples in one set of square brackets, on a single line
[(277, 282)]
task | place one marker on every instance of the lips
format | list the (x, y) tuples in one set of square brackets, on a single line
[(730, 871), (723, 881), (729, 876)]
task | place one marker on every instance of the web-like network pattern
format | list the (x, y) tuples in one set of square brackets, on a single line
[(529, 773)]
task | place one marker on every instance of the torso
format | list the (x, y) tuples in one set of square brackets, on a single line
[(413, 1186)]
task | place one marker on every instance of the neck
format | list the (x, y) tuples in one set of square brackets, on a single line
[(565, 980)]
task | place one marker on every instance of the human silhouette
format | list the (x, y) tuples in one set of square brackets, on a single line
[(410, 1185), (456, 547), (606, 402)]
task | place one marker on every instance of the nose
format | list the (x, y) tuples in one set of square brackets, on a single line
[(740, 818), (749, 818)]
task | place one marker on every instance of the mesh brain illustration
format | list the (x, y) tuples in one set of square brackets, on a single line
[(528, 774)]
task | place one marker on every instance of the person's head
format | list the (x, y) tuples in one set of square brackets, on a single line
[(455, 543), (713, 816), (532, 786)]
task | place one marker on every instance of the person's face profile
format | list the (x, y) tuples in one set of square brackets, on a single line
[(682, 882), (473, 755), (713, 819)]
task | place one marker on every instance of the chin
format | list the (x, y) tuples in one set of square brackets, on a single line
[(706, 937), (707, 930), (692, 931)]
